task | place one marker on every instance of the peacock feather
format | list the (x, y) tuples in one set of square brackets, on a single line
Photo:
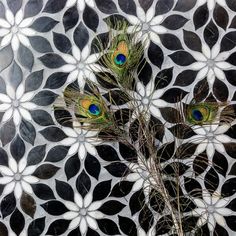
[(89, 108), (123, 54), (202, 113), (120, 54)]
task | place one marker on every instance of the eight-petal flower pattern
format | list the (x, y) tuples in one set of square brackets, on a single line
[(17, 177), (15, 29), (210, 138), (83, 212), (147, 25), (147, 100), (211, 210), (16, 104), (211, 63), (141, 177), (80, 140), (81, 65)]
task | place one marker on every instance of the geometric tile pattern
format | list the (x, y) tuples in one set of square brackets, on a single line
[(58, 180)]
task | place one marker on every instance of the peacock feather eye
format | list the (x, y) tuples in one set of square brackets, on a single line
[(120, 59), (94, 109), (90, 106), (198, 114), (120, 55), (202, 113)]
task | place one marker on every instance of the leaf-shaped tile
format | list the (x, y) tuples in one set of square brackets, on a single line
[(228, 41), (62, 42), (42, 117), (7, 132), (14, 5), (6, 57), (92, 166), (54, 207), (70, 18), (54, 6), (53, 134), (155, 55), (33, 81), (72, 166), (40, 44), (117, 169), (106, 6), (163, 78), (107, 153), (229, 187), (182, 58), (36, 155), (27, 131), (28, 204), (25, 57), (60, 226), (43, 191), (8, 205), (127, 7), (46, 171), (83, 184), (81, 36), (200, 16), (211, 34), (44, 24), (3, 230), (221, 16), (32, 8), (17, 222), (111, 207), (17, 148), (90, 18), (184, 6), (52, 60), (146, 218), (124, 222), (174, 22), (64, 190), (137, 201), (36, 227), (170, 41), (57, 153), (163, 6), (108, 227), (101, 190), (121, 189)]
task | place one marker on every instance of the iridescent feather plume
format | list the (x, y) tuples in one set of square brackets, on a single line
[(123, 54)]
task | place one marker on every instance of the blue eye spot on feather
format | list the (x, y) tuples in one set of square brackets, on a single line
[(120, 59), (94, 109), (197, 115), (201, 113)]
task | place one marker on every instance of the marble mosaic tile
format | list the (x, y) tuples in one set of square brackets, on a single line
[(56, 179)]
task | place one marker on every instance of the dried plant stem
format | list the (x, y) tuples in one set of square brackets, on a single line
[(158, 179), (154, 171), (158, 184)]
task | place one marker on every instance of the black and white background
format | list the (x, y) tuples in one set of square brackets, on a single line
[(56, 180)]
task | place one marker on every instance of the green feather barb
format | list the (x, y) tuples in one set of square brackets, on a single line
[(202, 113), (123, 54), (88, 108)]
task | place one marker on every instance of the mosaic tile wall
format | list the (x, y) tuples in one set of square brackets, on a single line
[(56, 180)]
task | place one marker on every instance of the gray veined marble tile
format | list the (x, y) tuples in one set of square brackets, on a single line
[(56, 179)]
